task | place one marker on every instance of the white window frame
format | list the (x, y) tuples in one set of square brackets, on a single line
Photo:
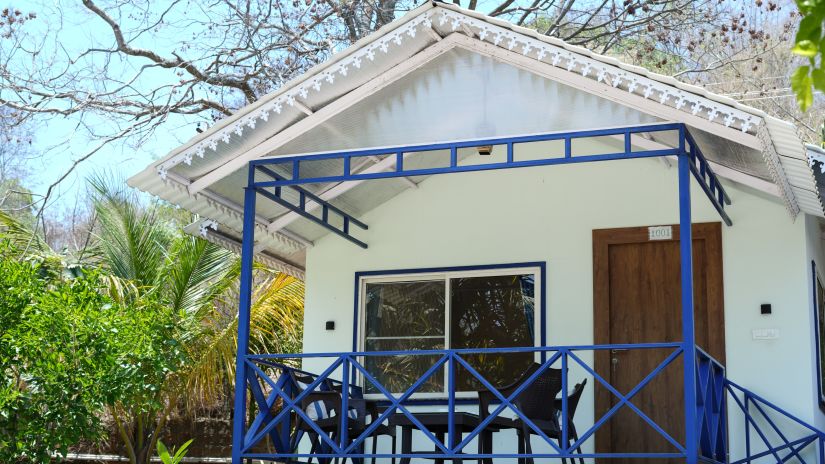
[(446, 275)]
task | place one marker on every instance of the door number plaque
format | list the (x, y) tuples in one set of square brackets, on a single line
[(660, 233)]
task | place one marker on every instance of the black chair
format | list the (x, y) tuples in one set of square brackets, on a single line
[(572, 403), (324, 408), (364, 409), (317, 406), (536, 402)]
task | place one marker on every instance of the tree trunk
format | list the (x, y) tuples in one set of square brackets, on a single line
[(140, 436)]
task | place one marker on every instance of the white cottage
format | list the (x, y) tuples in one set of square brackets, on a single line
[(493, 229)]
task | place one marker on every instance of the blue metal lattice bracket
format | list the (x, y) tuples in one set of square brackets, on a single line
[(271, 188), (327, 210)]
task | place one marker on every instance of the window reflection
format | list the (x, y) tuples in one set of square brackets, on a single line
[(404, 316), (492, 311)]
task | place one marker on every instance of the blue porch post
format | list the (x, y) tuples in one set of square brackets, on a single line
[(244, 307), (688, 331)]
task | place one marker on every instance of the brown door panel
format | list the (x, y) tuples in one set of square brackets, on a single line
[(637, 299)]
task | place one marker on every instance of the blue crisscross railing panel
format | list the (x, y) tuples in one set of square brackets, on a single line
[(286, 424), (764, 432), (736, 426), (711, 408)]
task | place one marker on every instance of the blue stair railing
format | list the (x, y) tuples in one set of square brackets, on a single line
[(711, 408), (763, 418), (770, 433)]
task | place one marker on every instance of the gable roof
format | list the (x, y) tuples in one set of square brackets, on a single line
[(188, 175)]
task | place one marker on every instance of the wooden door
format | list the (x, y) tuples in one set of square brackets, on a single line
[(637, 299)]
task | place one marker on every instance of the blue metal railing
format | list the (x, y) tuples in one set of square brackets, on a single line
[(719, 400), (287, 174), (711, 408), (271, 386), (278, 400), (773, 427)]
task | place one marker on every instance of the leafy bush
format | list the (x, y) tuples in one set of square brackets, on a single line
[(151, 332), (66, 350)]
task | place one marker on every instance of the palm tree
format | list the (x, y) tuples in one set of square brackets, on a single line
[(198, 281), (146, 259)]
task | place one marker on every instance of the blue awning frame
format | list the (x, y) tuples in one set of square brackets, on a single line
[(289, 174)]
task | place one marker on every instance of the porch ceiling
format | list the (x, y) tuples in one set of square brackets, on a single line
[(443, 73)]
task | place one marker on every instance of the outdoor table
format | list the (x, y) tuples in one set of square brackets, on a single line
[(437, 423)]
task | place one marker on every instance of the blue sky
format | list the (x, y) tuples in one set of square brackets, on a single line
[(62, 140)]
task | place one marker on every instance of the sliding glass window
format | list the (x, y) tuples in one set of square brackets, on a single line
[(493, 308)]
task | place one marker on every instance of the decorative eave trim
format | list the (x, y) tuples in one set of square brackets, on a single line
[(535, 48), (771, 157), (290, 98), (203, 228), (267, 260), (289, 244), (602, 72), (816, 154)]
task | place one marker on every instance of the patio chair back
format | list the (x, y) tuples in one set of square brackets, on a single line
[(536, 400), (317, 409), (573, 399)]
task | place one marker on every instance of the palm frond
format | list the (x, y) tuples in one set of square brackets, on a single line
[(196, 272), (23, 238), (132, 241), (122, 291), (276, 320)]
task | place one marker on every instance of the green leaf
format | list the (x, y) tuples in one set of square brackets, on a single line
[(818, 78), (804, 6), (182, 451), (806, 48), (810, 28), (163, 453), (801, 83)]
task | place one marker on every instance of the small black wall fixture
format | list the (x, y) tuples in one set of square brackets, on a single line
[(330, 325), (765, 308)]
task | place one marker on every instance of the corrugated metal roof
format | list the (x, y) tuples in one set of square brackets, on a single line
[(784, 158)]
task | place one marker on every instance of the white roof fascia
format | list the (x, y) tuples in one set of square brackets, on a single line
[(528, 42), (606, 90), (323, 114), (287, 241)]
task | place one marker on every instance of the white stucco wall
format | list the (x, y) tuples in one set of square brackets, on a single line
[(816, 253), (547, 214)]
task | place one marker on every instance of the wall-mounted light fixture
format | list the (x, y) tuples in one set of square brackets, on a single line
[(485, 150)]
